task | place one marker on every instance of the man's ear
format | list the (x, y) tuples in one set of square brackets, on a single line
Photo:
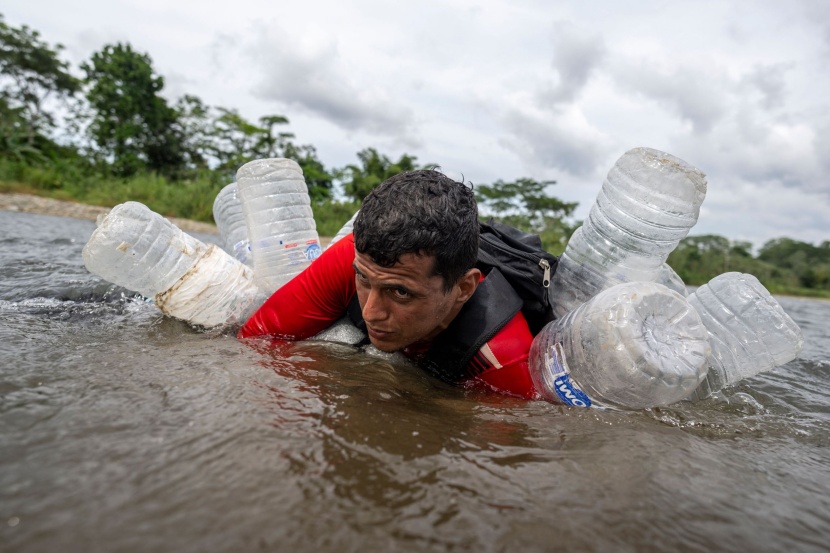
[(468, 283)]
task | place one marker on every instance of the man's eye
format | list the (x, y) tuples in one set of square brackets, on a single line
[(401, 293)]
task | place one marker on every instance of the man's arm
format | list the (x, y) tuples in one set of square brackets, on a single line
[(311, 301)]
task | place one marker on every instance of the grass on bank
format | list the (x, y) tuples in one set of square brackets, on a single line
[(187, 199), (798, 291)]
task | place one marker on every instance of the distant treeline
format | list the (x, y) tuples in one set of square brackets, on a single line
[(783, 265), (103, 134)]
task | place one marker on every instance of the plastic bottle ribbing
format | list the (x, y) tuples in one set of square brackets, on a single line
[(280, 222), (749, 331), (230, 220), (647, 204)]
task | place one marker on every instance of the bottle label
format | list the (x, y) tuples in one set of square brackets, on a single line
[(241, 250), (565, 388), (313, 252)]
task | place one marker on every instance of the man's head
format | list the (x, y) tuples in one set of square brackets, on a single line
[(420, 212), (416, 242)]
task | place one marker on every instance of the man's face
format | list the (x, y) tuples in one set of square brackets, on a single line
[(406, 303)]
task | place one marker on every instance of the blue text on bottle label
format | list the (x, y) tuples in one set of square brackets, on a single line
[(565, 389), (313, 251)]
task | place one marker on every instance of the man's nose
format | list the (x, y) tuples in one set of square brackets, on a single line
[(374, 309)]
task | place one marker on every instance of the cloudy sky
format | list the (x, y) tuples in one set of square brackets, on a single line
[(496, 89)]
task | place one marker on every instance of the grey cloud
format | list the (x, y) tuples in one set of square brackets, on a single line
[(694, 96), (549, 144), (575, 56), (759, 156), (821, 145), (319, 91), (221, 45), (541, 137), (177, 84), (817, 12), (769, 81), (753, 130), (315, 80)]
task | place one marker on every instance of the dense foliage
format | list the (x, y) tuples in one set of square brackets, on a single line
[(783, 265), (526, 204), (31, 72), (129, 143)]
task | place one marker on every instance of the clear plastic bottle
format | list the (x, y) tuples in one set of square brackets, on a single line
[(142, 251), (280, 222), (230, 220), (636, 345), (344, 230), (647, 204), (749, 332), (670, 279), (343, 331)]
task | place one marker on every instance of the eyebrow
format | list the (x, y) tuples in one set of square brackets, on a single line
[(403, 287)]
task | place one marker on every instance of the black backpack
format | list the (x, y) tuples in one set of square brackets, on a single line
[(525, 265)]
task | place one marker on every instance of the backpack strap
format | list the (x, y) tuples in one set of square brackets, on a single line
[(492, 306)]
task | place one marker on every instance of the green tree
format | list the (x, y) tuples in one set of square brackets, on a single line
[(810, 263), (374, 168), (233, 140), (194, 123), (224, 139), (271, 143), (525, 204), (698, 259), (30, 72), (13, 132), (319, 180), (132, 123)]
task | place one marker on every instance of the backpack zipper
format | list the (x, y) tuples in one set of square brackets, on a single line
[(541, 261)]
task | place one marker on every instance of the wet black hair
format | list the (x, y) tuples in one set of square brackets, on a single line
[(421, 212)]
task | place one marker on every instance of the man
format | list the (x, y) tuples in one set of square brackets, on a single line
[(407, 276)]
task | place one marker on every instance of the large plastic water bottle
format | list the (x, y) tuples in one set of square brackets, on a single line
[(280, 222), (139, 249), (669, 278), (637, 345), (342, 331), (142, 251), (345, 230), (647, 204), (230, 220), (749, 332)]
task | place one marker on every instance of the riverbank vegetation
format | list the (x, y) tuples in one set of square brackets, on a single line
[(103, 133)]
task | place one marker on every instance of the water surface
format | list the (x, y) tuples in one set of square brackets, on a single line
[(123, 430)]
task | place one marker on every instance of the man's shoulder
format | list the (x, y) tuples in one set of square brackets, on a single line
[(342, 248), (514, 337), (336, 259)]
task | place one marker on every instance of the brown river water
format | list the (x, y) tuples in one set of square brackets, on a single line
[(125, 431)]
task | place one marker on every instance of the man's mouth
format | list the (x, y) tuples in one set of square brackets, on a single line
[(377, 334)]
